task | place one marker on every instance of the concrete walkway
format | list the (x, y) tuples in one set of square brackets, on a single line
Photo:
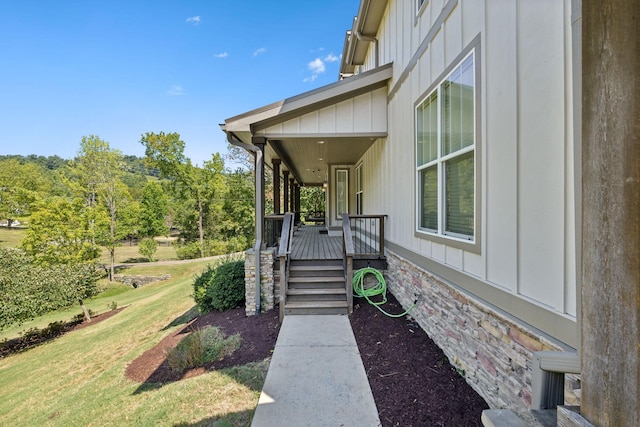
[(316, 377)]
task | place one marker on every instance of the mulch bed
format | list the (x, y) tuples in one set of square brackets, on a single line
[(30, 340), (412, 382)]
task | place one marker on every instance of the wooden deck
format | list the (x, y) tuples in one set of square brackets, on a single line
[(309, 244)]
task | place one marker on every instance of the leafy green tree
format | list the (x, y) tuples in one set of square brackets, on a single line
[(312, 199), (65, 232), (147, 248), (196, 187), (238, 208), (100, 172), (21, 185), (154, 207), (29, 289)]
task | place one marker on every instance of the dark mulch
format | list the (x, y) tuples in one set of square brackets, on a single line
[(412, 381), (258, 333), (35, 337)]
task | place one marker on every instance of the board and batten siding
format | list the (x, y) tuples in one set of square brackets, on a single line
[(525, 142), (365, 113)]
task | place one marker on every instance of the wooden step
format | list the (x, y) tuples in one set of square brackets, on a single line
[(321, 291), (316, 279), (316, 307), (294, 267), (322, 294)]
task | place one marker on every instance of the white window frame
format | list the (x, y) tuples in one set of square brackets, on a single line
[(345, 201), (359, 191), (440, 234)]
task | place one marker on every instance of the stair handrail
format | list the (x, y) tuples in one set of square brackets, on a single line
[(348, 253), (284, 250)]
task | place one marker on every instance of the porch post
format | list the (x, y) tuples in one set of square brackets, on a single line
[(611, 213), (259, 142), (292, 205), (297, 202), (285, 190), (276, 186)]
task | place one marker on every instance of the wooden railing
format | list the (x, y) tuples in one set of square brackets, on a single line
[(284, 249), (367, 233), (347, 257), (272, 229)]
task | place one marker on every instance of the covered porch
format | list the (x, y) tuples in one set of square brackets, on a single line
[(316, 139)]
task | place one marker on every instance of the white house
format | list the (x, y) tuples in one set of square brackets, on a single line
[(460, 122)]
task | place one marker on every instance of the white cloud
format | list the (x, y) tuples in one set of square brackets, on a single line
[(331, 58), (194, 20), (221, 55), (176, 90), (259, 51), (316, 66)]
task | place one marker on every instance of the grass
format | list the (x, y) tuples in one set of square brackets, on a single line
[(127, 254), (11, 237), (78, 379)]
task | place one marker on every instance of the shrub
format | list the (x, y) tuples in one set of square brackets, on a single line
[(202, 346), (188, 250), (227, 288), (147, 248), (200, 286), (220, 288)]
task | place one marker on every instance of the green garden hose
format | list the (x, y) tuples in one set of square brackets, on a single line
[(379, 289)]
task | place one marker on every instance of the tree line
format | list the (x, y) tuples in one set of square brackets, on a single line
[(73, 209)]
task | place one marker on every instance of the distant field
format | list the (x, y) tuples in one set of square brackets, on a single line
[(11, 237), (127, 253), (78, 379), (124, 254)]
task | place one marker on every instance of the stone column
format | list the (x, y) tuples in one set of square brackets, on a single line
[(285, 190), (611, 212), (276, 185)]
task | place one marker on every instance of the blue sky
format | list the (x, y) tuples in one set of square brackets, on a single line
[(120, 68)]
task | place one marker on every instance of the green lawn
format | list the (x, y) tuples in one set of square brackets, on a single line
[(78, 379), (11, 237), (124, 254)]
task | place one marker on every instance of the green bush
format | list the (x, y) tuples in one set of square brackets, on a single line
[(227, 288), (147, 248), (220, 288), (188, 250), (202, 346), (200, 286)]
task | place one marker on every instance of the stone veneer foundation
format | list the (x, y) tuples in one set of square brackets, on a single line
[(269, 281), (492, 352)]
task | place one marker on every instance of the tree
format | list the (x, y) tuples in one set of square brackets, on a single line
[(148, 247), (65, 232), (29, 289), (100, 171), (21, 184), (195, 186), (239, 219), (154, 207)]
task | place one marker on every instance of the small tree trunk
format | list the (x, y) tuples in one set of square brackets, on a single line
[(112, 270), (200, 228), (87, 316)]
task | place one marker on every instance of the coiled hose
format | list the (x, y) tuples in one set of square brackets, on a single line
[(379, 289)]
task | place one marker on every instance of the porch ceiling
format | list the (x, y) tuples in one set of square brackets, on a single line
[(334, 124)]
